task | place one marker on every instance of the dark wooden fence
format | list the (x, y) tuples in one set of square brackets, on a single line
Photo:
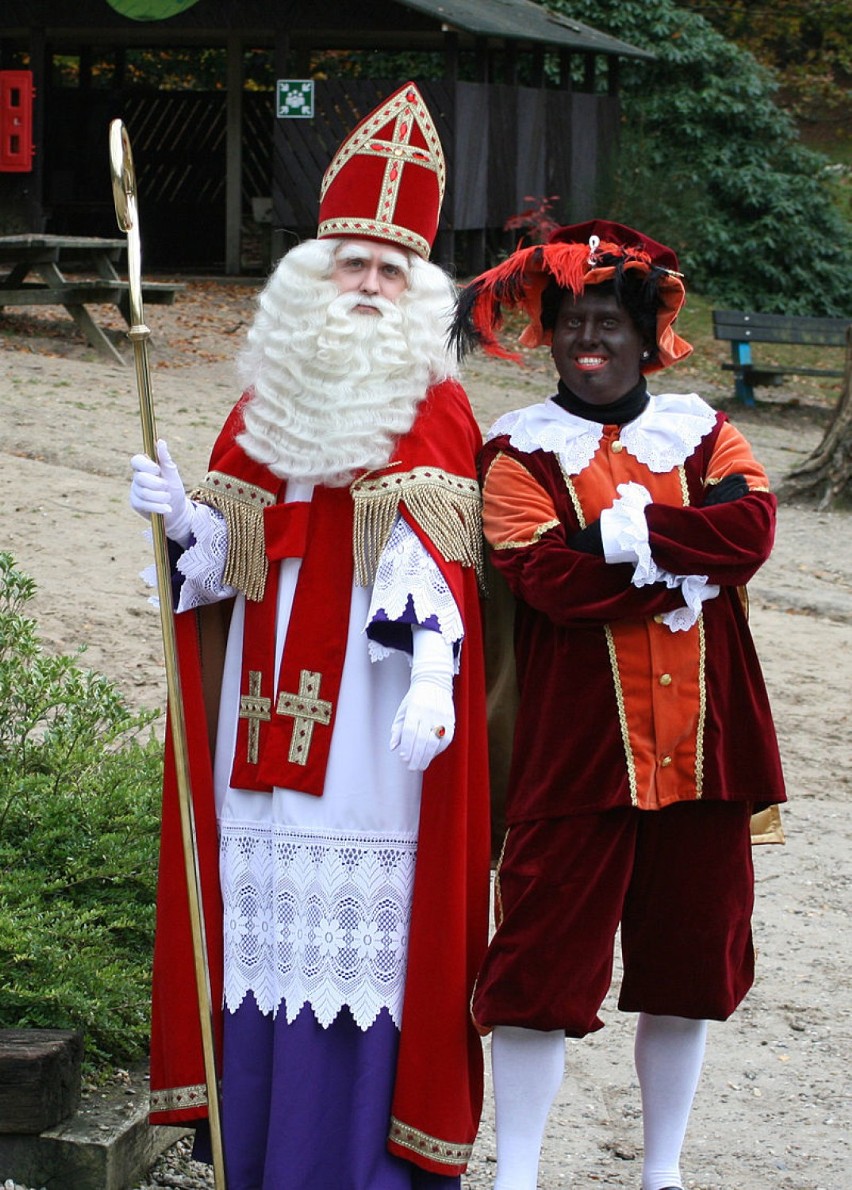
[(502, 143)]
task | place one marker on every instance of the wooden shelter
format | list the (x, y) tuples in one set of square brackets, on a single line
[(526, 103)]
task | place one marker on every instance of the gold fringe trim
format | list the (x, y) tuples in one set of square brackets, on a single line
[(242, 506), (448, 508), (443, 1152)]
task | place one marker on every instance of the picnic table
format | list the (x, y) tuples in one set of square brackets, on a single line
[(51, 258)]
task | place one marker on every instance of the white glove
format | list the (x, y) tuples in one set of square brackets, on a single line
[(159, 488), (426, 720)]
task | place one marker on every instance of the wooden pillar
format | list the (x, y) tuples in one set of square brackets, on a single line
[(234, 155), (538, 66), (119, 68), (566, 81), (279, 243), (589, 66), (613, 66), (84, 78), (481, 50), (40, 66), (451, 56), (511, 64)]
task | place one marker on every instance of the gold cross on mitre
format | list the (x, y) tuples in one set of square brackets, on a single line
[(256, 709), (307, 709)]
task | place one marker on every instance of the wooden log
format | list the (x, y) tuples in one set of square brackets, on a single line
[(40, 1078)]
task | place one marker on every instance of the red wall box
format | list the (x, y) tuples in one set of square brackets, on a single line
[(16, 121)]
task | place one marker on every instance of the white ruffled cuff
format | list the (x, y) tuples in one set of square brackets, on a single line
[(624, 532), (695, 589)]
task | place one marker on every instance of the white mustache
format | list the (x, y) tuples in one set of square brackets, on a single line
[(347, 302)]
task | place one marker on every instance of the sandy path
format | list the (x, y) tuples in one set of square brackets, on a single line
[(773, 1109)]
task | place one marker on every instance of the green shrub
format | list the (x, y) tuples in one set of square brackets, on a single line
[(79, 808)]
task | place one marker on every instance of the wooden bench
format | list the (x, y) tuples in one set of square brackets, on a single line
[(71, 293), (742, 329), (51, 258), (76, 295)]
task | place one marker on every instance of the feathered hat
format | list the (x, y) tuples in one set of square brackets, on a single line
[(573, 257), (386, 181)]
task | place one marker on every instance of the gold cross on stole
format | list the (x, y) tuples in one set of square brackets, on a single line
[(306, 708), (254, 708)]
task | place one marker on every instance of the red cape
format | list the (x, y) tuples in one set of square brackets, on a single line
[(438, 1093)]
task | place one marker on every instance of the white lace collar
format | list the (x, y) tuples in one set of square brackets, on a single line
[(663, 436)]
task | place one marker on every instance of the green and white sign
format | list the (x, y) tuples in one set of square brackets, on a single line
[(294, 99)]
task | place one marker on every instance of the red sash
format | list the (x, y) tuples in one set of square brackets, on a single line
[(284, 741)]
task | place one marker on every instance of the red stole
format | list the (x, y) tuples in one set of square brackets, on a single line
[(284, 740)]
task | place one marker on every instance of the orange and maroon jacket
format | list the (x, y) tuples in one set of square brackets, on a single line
[(614, 708)]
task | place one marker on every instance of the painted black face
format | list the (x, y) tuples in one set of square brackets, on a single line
[(597, 347)]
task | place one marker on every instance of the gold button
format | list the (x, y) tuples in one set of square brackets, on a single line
[(665, 679), (666, 761), (617, 446), (658, 618)]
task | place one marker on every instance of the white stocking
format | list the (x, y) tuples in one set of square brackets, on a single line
[(669, 1054), (527, 1066)]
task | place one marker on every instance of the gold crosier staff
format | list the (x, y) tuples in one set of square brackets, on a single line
[(124, 196)]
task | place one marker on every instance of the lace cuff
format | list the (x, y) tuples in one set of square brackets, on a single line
[(202, 564), (408, 578), (695, 589)]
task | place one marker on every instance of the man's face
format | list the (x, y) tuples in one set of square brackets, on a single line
[(372, 270), (597, 347)]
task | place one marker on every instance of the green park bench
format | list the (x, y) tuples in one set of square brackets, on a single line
[(742, 329)]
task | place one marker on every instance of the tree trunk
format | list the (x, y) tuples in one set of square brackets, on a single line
[(825, 478)]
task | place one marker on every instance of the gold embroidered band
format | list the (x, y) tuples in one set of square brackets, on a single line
[(178, 1098), (441, 1151)]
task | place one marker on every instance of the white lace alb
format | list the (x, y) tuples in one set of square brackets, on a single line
[(317, 918)]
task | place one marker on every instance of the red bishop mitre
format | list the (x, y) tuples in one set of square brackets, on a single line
[(386, 181)]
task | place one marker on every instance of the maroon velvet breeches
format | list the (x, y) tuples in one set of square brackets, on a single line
[(679, 881)]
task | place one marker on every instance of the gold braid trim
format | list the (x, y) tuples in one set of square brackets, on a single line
[(622, 716), (442, 1152), (448, 508), (242, 506)]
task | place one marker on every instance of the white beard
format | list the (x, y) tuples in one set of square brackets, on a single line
[(335, 389)]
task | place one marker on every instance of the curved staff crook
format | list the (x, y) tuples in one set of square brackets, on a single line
[(124, 196)]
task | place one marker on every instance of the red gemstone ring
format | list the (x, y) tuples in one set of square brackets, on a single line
[(440, 732)]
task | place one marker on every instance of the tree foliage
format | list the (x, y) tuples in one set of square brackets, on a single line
[(711, 164), (808, 42)]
